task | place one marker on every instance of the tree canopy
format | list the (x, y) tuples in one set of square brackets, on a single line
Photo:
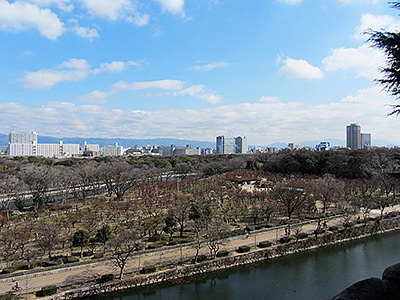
[(389, 42)]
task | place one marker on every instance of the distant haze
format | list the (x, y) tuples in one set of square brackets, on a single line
[(170, 141)]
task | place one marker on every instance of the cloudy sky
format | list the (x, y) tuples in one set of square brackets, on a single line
[(273, 70)]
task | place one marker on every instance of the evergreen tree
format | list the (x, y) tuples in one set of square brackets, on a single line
[(389, 42)]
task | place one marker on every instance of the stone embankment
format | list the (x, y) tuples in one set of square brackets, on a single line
[(180, 272), (387, 288)]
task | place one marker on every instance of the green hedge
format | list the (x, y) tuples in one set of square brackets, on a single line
[(147, 270), (223, 253), (301, 235), (265, 244), (243, 249), (105, 278), (285, 239), (47, 291)]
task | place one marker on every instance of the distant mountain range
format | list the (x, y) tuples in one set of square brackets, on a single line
[(167, 142), (121, 142)]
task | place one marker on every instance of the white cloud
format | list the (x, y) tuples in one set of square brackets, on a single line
[(364, 60), (300, 69), (71, 70), (64, 5), (116, 9), (115, 66), (282, 121), (173, 6), (268, 99), (22, 16), (84, 32), (96, 97), (200, 92), (376, 22), (167, 84), (209, 67)]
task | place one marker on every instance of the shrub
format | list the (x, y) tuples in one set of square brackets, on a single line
[(47, 291), (202, 258), (333, 228), (223, 253), (301, 235), (105, 278), (51, 263), (147, 270), (243, 249), (7, 270), (265, 244), (285, 239)]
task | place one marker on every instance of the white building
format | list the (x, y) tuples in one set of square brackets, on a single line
[(323, 146), (231, 145), (90, 147), (45, 150), (22, 138), (112, 150)]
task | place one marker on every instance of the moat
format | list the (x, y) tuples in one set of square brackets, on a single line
[(317, 274)]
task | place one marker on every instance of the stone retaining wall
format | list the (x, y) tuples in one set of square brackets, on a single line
[(174, 275)]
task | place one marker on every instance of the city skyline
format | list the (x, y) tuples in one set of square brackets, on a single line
[(274, 71)]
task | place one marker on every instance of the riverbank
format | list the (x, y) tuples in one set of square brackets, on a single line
[(178, 273)]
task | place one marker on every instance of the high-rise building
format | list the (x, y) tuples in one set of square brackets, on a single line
[(241, 144), (112, 150), (231, 145), (353, 136), (22, 138), (365, 140)]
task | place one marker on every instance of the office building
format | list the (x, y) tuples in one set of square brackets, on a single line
[(231, 145), (355, 139), (353, 136), (366, 140), (241, 144), (112, 150)]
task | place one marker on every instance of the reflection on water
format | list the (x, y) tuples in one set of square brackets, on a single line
[(318, 274)]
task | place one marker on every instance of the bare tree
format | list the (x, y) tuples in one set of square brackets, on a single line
[(119, 178), (214, 232), (123, 246), (181, 211), (38, 180), (48, 237), (381, 168), (327, 189), (9, 245), (291, 196), (9, 190)]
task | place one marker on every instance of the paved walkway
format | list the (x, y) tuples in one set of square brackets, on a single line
[(80, 274)]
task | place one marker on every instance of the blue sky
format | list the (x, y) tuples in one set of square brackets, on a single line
[(273, 70)]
